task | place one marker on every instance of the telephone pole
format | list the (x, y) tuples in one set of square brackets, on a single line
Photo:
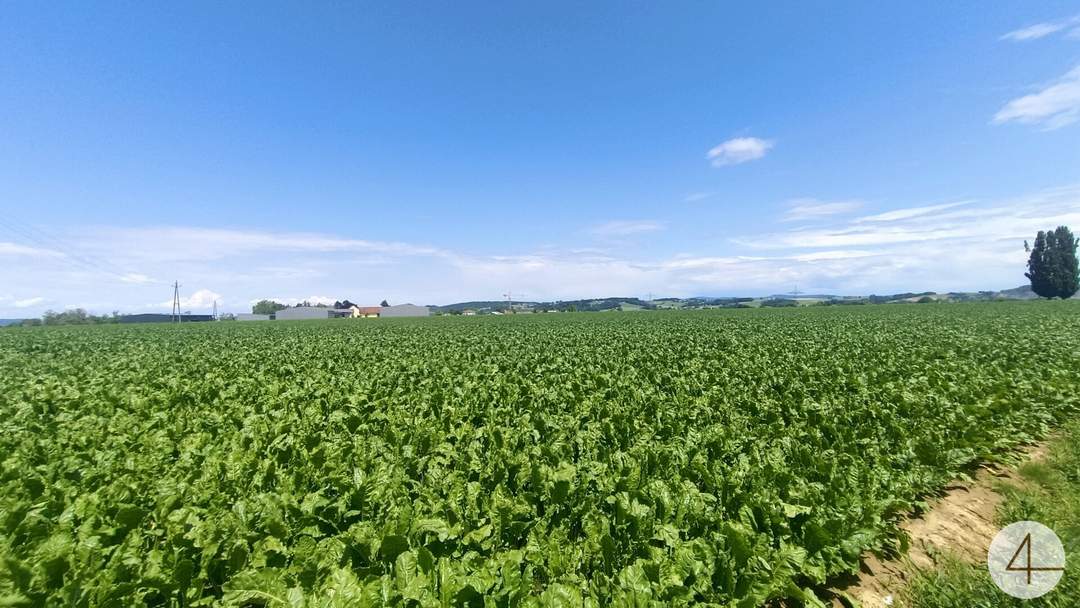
[(176, 302), (215, 310)]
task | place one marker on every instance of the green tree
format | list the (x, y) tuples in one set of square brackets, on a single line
[(384, 304), (75, 316), (267, 307), (1052, 265)]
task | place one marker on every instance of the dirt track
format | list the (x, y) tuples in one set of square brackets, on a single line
[(960, 522)]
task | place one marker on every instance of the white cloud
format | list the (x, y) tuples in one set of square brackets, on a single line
[(28, 302), (1053, 107), (853, 237), (739, 150), (697, 196), (951, 246), (809, 209), (622, 228), (172, 243), (1040, 30), (910, 212), (200, 299), (921, 227), (842, 254), (14, 249), (137, 278)]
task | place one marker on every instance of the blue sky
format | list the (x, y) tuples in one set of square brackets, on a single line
[(436, 152)]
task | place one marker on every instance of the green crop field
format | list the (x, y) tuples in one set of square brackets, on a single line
[(718, 458)]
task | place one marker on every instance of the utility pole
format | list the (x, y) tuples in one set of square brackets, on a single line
[(215, 310), (176, 302), (796, 292), (509, 301)]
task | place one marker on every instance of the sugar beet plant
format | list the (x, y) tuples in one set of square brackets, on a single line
[(619, 459)]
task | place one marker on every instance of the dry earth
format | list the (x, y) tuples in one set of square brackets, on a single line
[(961, 522)]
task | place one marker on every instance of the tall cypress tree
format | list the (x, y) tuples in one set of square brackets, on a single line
[(1052, 266), (1038, 268), (1066, 281)]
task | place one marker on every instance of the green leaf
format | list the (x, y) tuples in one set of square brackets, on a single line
[(392, 546)]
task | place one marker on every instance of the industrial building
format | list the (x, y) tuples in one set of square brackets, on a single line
[(310, 312), (154, 317), (247, 316), (405, 310)]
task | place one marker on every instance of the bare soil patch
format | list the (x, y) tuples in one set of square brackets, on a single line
[(961, 523)]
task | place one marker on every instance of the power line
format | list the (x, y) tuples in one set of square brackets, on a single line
[(40, 239)]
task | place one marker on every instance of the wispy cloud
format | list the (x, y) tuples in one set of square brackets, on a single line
[(954, 245), (15, 249), (1053, 107), (910, 212), (953, 222), (739, 150), (623, 228), (801, 209), (697, 196), (1041, 30), (172, 243), (28, 302), (839, 254), (137, 278)]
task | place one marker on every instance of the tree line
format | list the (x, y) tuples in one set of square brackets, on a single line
[(269, 307)]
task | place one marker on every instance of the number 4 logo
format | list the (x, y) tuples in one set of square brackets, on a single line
[(1030, 548), (1012, 567)]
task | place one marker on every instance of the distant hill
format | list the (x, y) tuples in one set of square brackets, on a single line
[(480, 306), (1022, 292), (588, 305), (6, 322), (1019, 293), (805, 296)]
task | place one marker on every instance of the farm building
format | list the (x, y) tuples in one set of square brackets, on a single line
[(247, 316), (405, 310), (310, 312), (365, 312)]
